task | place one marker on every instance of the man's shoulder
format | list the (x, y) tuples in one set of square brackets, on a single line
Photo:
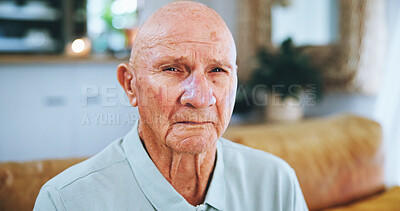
[(110, 156), (261, 178), (97, 183), (252, 159)]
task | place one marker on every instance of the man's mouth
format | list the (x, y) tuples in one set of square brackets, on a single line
[(193, 123)]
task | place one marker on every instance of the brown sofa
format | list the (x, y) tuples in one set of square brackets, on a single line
[(338, 161), (20, 182)]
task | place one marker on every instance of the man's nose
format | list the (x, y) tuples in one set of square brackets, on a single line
[(197, 92)]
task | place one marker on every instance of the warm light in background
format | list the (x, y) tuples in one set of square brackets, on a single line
[(78, 46)]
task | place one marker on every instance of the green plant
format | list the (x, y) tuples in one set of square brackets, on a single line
[(243, 102), (286, 72)]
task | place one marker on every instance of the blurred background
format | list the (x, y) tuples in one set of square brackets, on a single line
[(298, 59)]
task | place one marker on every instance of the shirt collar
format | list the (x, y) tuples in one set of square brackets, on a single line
[(216, 191), (157, 189)]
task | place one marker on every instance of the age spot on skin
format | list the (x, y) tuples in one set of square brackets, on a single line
[(213, 36)]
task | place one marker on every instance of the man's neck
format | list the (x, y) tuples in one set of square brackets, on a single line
[(189, 174)]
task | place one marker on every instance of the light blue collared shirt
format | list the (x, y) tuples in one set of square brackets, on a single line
[(123, 177)]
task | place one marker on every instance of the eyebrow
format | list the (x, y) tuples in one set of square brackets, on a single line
[(221, 63), (165, 59)]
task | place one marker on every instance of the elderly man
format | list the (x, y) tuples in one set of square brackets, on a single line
[(182, 77)]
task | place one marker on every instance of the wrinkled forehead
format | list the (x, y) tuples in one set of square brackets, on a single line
[(177, 29), (186, 34), (184, 12)]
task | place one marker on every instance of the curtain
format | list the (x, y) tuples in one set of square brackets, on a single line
[(387, 110), (362, 44)]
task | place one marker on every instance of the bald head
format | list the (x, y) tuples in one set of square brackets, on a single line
[(182, 21), (182, 77)]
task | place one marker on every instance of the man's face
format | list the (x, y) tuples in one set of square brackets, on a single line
[(186, 86)]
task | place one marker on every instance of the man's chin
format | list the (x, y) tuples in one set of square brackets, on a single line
[(195, 144)]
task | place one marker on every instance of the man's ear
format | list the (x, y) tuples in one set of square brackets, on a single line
[(125, 78)]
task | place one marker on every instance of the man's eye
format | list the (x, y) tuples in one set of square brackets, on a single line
[(215, 70), (170, 69)]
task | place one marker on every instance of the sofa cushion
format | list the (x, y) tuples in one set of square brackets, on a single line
[(20, 182), (388, 201), (337, 160)]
